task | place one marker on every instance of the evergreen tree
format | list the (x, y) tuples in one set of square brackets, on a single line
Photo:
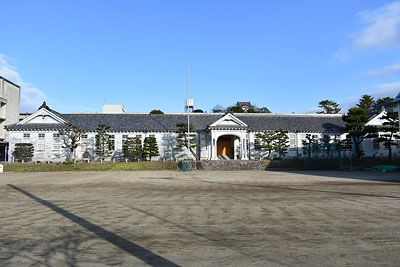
[(281, 142), (327, 145), (237, 109), (390, 129), (367, 103), (71, 135), (307, 145), (310, 145), (380, 103), (267, 142), (150, 147), (346, 144), (264, 110), (156, 111), (355, 120), (23, 152), (132, 148), (329, 107), (103, 142), (184, 139), (218, 109)]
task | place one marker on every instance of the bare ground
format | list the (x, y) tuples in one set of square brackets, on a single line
[(200, 218)]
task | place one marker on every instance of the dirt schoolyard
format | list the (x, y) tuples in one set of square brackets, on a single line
[(171, 218)]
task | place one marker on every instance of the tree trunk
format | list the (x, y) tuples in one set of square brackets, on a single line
[(390, 146), (193, 153), (71, 152), (357, 146)]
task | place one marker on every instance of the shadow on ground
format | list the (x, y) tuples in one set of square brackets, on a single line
[(139, 252)]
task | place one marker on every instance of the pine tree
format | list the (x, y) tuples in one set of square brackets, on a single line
[(282, 142), (329, 107), (103, 142), (390, 129), (380, 103), (367, 103), (150, 147), (355, 120), (132, 148), (307, 145), (23, 152), (185, 140), (267, 142)]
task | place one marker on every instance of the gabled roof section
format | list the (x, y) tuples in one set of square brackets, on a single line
[(229, 121), (43, 116), (377, 120)]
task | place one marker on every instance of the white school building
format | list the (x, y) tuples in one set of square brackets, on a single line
[(219, 136)]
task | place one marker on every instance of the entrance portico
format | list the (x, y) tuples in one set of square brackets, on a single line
[(229, 138)]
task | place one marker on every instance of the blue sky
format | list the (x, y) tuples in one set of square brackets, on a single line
[(285, 55)]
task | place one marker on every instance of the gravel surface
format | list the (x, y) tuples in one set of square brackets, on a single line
[(173, 218)]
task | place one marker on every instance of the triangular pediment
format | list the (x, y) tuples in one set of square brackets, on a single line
[(229, 120), (42, 116)]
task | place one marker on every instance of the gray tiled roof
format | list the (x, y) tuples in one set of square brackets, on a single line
[(293, 123), (167, 122)]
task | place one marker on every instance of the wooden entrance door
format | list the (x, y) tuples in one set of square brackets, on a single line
[(224, 147)]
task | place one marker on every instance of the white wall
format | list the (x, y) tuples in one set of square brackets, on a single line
[(50, 148)]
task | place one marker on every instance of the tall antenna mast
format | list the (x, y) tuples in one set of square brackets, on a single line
[(188, 105), (188, 79)]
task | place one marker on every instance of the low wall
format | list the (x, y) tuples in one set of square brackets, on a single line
[(300, 164), (229, 165), (284, 164)]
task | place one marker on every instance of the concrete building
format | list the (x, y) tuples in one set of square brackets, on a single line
[(9, 112)]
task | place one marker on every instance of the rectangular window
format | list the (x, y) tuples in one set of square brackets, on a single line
[(27, 135), (40, 147), (56, 147), (257, 143), (56, 135), (124, 138), (84, 136), (84, 146), (112, 140), (152, 135), (41, 135), (139, 136), (292, 141)]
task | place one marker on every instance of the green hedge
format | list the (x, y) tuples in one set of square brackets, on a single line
[(105, 166)]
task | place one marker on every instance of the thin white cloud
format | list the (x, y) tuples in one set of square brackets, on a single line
[(382, 71), (380, 28), (386, 89), (31, 97)]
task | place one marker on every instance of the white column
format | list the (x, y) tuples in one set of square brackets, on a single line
[(213, 146)]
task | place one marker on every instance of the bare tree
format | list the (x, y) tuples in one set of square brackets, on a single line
[(71, 135)]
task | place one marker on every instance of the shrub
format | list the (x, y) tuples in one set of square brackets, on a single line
[(23, 152)]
